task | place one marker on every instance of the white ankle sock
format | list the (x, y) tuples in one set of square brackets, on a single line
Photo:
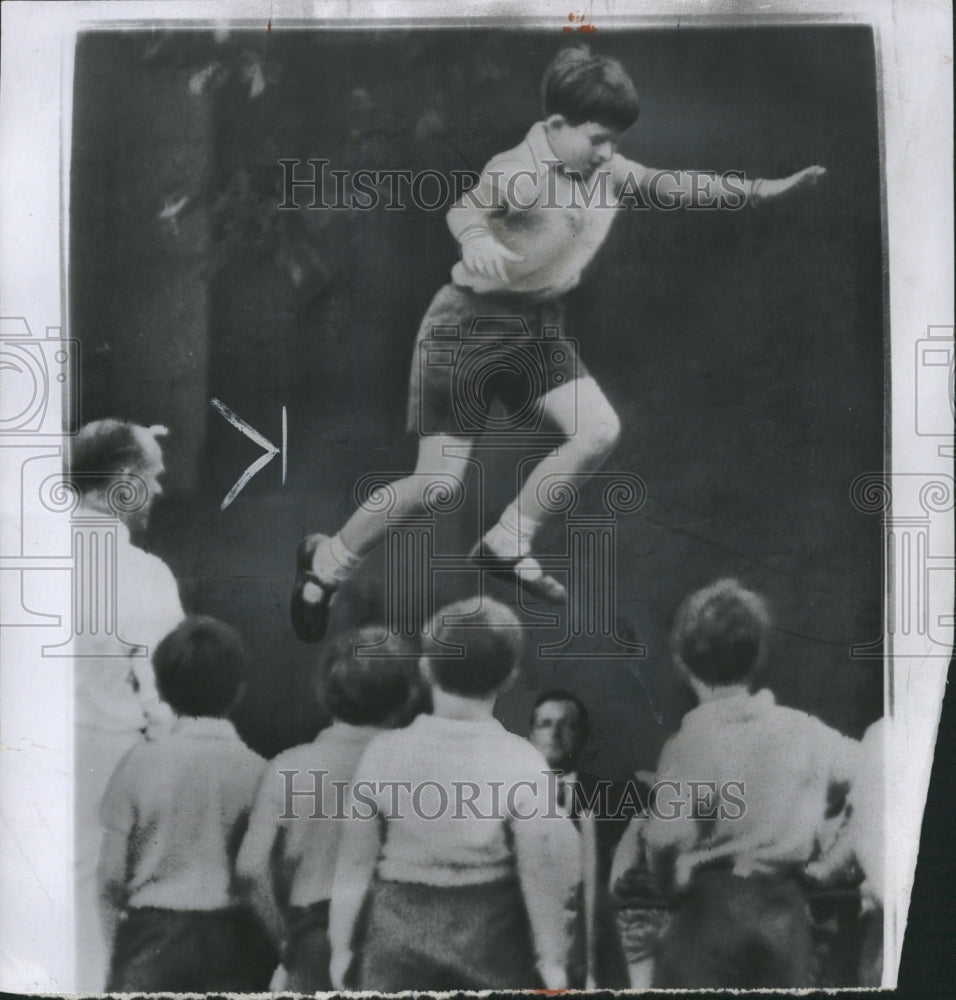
[(513, 533), (333, 563)]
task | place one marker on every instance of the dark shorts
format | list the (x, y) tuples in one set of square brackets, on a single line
[(473, 351), (187, 951), (422, 937), (307, 951), (730, 932)]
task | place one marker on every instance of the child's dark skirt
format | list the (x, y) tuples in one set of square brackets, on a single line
[(190, 951), (422, 937)]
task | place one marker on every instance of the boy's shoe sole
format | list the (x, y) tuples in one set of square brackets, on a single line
[(542, 588), (310, 619)]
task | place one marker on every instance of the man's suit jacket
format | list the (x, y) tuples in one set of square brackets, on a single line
[(610, 966), (606, 796)]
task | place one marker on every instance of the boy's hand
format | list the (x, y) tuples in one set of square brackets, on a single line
[(483, 254), (802, 178), (805, 178)]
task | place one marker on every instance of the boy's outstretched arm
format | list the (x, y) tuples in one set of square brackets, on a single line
[(761, 189), (670, 189)]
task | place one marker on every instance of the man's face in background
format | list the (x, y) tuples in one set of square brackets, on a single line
[(557, 731)]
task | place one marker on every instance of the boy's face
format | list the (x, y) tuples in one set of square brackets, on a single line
[(581, 148)]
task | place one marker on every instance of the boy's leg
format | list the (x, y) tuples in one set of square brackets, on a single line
[(326, 562), (442, 466), (581, 411)]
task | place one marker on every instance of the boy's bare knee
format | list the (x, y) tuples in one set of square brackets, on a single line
[(405, 496), (604, 431)]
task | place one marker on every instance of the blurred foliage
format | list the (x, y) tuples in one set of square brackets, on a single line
[(264, 111), (238, 203)]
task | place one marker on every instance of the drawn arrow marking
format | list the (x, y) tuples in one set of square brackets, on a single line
[(263, 460)]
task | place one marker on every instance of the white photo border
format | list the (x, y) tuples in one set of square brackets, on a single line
[(914, 67)]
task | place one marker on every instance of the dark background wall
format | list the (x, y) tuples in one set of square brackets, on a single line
[(744, 350)]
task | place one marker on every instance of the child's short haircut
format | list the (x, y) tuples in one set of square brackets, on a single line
[(492, 642), (586, 88), (383, 689), (200, 666), (718, 633)]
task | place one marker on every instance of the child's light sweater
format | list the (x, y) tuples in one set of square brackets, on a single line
[(465, 803)]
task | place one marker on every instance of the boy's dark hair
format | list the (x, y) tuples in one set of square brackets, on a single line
[(384, 689), (586, 88), (557, 694), (492, 642), (200, 666), (718, 633)]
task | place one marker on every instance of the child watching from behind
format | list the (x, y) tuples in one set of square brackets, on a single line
[(463, 862), (288, 857), (174, 814), (741, 796)]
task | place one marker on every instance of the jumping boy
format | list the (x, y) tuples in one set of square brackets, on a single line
[(526, 232)]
